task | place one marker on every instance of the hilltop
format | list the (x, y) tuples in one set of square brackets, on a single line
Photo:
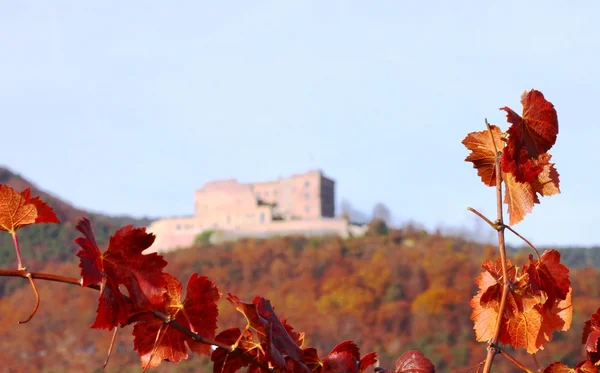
[(48, 243)]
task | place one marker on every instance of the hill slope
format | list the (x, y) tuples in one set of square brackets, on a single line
[(47, 243)]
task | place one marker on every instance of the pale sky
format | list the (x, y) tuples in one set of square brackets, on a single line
[(127, 107)]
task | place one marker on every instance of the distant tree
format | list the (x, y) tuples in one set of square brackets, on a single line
[(352, 214), (381, 212), (204, 237), (377, 227)]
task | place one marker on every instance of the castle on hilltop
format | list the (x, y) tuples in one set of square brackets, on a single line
[(301, 204)]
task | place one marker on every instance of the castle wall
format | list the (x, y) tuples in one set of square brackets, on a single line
[(317, 227), (173, 233)]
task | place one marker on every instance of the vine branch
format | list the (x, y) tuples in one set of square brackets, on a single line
[(492, 347)]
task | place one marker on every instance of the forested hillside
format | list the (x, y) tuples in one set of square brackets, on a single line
[(389, 293)]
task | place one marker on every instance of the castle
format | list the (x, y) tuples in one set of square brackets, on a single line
[(301, 204)]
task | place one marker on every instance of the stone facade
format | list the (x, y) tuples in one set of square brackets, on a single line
[(300, 204)]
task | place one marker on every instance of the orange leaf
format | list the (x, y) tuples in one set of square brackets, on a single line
[(546, 183), (528, 320), (558, 317), (520, 197), (484, 318), (483, 153), (522, 330), (529, 136), (20, 209)]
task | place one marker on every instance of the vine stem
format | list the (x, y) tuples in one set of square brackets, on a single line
[(492, 347), (165, 318), (18, 250), (537, 253), (37, 297), (513, 360)]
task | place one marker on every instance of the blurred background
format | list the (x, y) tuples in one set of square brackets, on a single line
[(122, 111)]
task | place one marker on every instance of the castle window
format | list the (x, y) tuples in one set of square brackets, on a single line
[(178, 227), (307, 208), (307, 184), (307, 196), (262, 217)]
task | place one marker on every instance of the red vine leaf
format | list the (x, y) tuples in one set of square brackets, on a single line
[(293, 366), (259, 315), (548, 277), (281, 339), (253, 320), (367, 361), (590, 337), (121, 264), (529, 136), (227, 362), (585, 366), (412, 361), (311, 359), (348, 348), (20, 209), (340, 362), (198, 312), (483, 153), (558, 367), (345, 358), (297, 337)]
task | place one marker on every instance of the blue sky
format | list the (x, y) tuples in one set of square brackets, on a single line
[(127, 107)]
